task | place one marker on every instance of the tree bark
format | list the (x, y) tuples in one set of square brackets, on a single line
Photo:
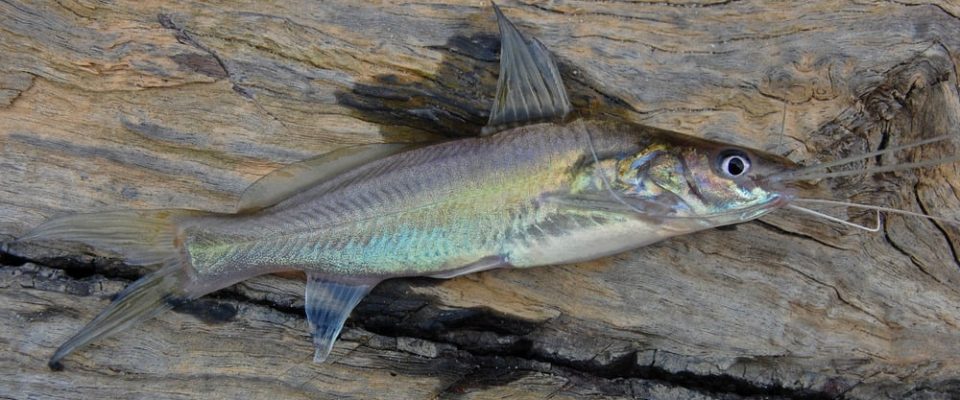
[(155, 104)]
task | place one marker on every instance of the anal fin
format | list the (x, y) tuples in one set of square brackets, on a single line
[(328, 303), (483, 264)]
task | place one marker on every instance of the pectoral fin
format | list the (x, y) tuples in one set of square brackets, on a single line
[(328, 304), (529, 88), (483, 264), (294, 178), (664, 206)]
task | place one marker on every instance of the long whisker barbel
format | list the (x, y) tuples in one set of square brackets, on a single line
[(804, 172), (877, 208), (838, 220), (874, 170)]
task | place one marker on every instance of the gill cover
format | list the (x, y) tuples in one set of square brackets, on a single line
[(702, 179)]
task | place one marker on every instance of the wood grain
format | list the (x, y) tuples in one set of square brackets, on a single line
[(112, 105)]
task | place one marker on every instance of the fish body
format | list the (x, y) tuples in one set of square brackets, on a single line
[(537, 189), (492, 201)]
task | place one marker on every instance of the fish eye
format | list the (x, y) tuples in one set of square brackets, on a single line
[(734, 163)]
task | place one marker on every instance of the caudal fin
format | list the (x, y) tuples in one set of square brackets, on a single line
[(142, 300), (142, 237)]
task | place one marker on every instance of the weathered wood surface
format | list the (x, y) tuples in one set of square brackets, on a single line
[(108, 105)]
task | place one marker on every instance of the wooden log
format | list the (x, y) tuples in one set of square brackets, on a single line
[(182, 105)]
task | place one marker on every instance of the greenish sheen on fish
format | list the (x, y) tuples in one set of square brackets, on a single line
[(534, 191)]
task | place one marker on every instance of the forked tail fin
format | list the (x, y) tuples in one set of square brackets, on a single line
[(142, 237), (142, 300)]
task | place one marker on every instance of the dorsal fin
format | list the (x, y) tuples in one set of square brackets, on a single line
[(529, 88), (294, 178)]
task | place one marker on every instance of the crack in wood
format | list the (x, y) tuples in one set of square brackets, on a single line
[(938, 225), (184, 36), (14, 85), (215, 309)]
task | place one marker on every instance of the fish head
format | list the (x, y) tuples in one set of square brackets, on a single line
[(712, 182)]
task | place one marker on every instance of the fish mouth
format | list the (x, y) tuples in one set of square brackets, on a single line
[(738, 215), (777, 201)]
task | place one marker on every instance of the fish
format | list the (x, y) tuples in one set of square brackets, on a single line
[(540, 186)]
